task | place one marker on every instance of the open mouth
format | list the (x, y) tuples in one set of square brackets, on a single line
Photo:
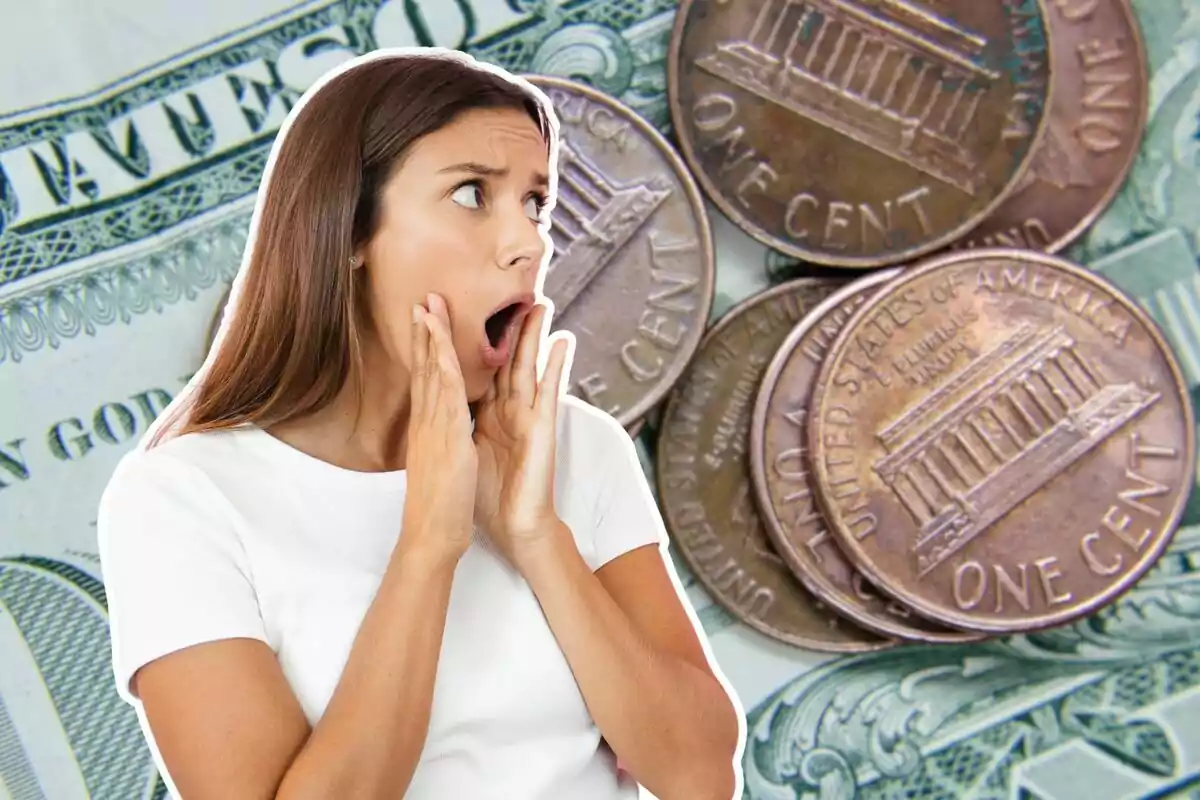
[(499, 326)]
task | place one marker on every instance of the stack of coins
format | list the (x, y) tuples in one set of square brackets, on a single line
[(977, 437), (933, 428)]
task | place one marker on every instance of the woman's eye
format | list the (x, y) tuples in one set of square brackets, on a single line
[(533, 207), (468, 195)]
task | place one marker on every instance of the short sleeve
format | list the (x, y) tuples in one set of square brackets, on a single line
[(626, 516), (175, 572)]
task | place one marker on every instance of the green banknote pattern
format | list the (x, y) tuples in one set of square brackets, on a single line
[(56, 634), (122, 217), (94, 178)]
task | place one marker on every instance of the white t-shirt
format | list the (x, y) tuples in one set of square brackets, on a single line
[(236, 534)]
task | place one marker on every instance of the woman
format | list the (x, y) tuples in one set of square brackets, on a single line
[(377, 556)]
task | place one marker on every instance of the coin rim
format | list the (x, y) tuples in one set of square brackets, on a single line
[(673, 399), (704, 233), (758, 233), (897, 589), (1117, 182), (813, 579)]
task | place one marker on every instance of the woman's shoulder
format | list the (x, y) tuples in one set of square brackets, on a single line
[(596, 455), (184, 465), (605, 492), (586, 430)]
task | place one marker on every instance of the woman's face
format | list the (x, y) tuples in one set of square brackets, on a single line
[(460, 219)]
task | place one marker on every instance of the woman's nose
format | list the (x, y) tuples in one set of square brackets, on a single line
[(520, 244)]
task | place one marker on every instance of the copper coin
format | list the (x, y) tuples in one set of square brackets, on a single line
[(784, 484), (858, 133), (632, 275), (704, 479), (1002, 440), (1098, 106)]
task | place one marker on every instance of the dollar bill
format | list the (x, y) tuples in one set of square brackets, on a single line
[(123, 213)]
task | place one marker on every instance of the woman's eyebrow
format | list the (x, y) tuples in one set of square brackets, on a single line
[(475, 168)]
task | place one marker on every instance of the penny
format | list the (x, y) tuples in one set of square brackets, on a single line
[(784, 485), (1097, 112), (1002, 440), (704, 480), (858, 133), (632, 275)]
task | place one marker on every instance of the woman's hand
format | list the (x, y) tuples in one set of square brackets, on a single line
[(441, 461), (515, 432)]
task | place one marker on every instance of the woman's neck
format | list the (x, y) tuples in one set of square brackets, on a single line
[(364, 432)]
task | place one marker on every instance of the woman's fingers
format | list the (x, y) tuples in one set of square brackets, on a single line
[(489, 396), (524, 368), (420, 358), (444, 358), (504, 380), (551, 382), (442, 352), (420, 338), (437, 307)]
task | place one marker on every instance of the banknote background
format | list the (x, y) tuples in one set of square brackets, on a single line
[(132, 137)]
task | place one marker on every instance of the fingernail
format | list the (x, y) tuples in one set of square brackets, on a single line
[(416, 312), (430, 299)]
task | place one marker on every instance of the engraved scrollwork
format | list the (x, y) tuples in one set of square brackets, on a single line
[(822, 773), (1108, 681), (877, 714), (891, 727), (829, 772), (590, 53), (82, 304)]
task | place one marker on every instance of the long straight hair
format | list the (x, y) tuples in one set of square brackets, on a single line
[(292, 332)]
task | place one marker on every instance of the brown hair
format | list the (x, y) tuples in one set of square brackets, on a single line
[(295, 338)]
